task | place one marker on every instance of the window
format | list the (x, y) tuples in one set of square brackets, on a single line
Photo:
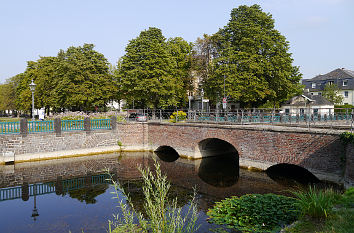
[(315, 111), (302, 111), (313, 85), (287, 111), (330, 82), (345, 83), (346, 94)]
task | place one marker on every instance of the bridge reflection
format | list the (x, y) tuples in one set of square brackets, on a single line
[(60, 187)]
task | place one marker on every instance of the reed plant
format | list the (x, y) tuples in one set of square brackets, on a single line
[(316, 203), (161, 215)]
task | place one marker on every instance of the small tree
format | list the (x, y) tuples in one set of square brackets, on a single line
[(331, 92)]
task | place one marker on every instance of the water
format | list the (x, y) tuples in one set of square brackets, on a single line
[(73, 195)]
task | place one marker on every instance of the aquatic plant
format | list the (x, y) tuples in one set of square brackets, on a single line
[(161, 215), (255, 212), (315, 203)]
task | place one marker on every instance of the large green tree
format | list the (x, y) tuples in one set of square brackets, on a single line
[(154, 72), (76, 79), (253, 58), (8, 94)]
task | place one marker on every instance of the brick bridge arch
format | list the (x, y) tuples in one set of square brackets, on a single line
[(257, 146)]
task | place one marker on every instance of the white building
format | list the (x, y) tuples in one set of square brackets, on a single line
[(308, 104), (343, 78)]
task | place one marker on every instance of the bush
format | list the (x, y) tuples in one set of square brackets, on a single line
[(178, 116), (161, 214), (316, 203), (255, 212), (347, 137)]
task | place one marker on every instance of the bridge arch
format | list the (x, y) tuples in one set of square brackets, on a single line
[(210, 147), (167, 153), (219, 166), (285, 173)]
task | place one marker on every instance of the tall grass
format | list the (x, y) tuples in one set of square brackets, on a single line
[(316, 203), (161, 215)]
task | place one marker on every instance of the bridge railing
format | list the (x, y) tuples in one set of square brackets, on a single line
[(38, 189), (300, 116)]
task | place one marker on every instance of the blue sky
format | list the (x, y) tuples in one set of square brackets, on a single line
[(320, 32)]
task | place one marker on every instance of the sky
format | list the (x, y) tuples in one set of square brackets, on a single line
[(320, 32)]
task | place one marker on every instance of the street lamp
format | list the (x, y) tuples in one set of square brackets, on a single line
[(32, 88), (35, 210)]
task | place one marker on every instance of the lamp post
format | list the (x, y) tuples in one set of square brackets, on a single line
[(32, 88), (35, 210)]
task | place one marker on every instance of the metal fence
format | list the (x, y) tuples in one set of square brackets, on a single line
[(9, 127), (40, 126), (48, 126), (100, 123), (72, 125), (310, 117)]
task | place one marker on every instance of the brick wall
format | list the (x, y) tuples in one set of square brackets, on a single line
[(314, 151), (349, 171)]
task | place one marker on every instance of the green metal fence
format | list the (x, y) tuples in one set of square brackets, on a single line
[(72, 125), (100, 123), (9, 127), (40, 126)]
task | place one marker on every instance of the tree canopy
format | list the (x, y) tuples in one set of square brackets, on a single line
[(76, 79), (154, 72), (253, 58), (332, 93)]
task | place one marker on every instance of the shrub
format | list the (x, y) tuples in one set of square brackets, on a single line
[(347, 137), (161, 214), (178, 116), (316, 203), (255, 212)]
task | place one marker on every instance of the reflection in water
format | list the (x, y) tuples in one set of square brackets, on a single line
[(220, 171), (289, 174), (90, 205), (167, 153)]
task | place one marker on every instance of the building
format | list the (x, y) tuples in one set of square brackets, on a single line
[(308, 104), (343, 78)]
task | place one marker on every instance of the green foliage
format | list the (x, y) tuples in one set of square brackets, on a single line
[(316, 203), (332, 93), (340, 220), (254, 59), (178, 116), (347, 137), (161, 214), (8, 94), (154, 73), (76, 79), (255, 212)]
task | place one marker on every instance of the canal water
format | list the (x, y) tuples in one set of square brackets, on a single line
[(73, 194)]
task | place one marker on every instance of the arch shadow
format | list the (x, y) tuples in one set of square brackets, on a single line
[(290, 174), (166, 153), (220, 163)]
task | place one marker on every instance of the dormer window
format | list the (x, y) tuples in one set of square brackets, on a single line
[(345, 83), (313, 85)]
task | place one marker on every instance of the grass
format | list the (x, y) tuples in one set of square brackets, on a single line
[(339, 217), (160, 214), (9, 119)]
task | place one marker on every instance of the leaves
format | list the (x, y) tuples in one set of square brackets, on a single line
[(253, 58), (255, 212), (154, 73)]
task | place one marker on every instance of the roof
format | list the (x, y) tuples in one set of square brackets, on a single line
[(337, 76), (339, 73), (306, 99)]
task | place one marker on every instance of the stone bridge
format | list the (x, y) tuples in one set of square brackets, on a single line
[(260, 146)]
